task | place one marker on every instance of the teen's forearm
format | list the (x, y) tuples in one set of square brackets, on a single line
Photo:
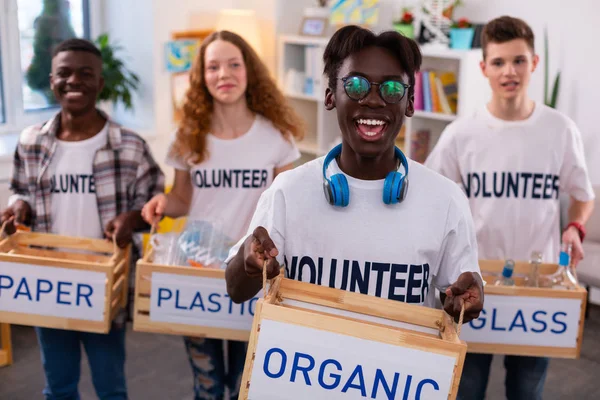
[(240, 286), (176, 206), (580, 211), (137, 223)]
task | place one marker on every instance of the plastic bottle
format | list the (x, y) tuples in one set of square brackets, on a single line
[(507, 272), (564, 278)]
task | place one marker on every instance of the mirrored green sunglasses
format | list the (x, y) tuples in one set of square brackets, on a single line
[(358, 87)]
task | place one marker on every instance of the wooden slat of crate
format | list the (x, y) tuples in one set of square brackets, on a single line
[(578, 293), (446, 343), (6, 346), (58, 241), (367, 305), (143, 290), (98, 256)]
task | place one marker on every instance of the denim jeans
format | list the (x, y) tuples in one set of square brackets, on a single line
[(61, 359), (525, 377), (207, 360)]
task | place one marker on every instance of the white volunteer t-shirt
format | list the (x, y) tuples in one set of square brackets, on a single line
[(228, 184), (398, 252), (74, 202), (512, 172)]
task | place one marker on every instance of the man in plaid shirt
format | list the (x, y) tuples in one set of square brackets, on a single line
[(81, 174)]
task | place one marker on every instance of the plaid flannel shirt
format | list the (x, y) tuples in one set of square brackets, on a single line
[(126, 175)]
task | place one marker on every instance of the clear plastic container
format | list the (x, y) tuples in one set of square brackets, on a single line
[(204, 244)]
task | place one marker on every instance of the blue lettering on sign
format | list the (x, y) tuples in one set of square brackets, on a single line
[(204, 302), (331, 376), (42, 290), (537, 322)]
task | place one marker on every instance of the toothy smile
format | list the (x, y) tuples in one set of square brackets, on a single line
[(370, 128)]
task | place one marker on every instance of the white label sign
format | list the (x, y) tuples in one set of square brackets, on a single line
[(194, 300), (295, 362), (52, 291), (524, 320)]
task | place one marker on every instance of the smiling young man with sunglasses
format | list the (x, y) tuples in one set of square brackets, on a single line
[(368, 232)]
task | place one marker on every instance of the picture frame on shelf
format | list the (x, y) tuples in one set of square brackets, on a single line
[(314, 26)]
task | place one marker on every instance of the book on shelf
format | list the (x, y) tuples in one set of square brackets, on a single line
[(436, 92)]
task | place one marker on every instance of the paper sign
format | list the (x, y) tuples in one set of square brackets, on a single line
[(524, 320), (201, 301), (295, 362), (52, 291)]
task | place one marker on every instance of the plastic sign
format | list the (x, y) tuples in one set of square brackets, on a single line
[(297, 362), (524, 320), (201, 301), (52, 291)]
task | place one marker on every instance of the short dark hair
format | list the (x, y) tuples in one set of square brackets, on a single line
[(76, 44), (352, 39), (504, 29)]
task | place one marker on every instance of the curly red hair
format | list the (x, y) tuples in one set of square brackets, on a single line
[(262, 96)]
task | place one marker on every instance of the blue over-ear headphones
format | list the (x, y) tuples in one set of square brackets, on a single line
[(337, 191)]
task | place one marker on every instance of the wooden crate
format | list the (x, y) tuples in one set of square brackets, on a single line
[(314, 342), (527, 321), (190, 301), (5, 346), (62, 282)]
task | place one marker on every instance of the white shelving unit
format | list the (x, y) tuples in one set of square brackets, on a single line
[(322, 128), (473, 90)]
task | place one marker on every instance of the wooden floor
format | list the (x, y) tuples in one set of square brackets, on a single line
[(157, 369)]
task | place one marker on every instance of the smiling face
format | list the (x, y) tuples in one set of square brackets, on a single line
[(370, 125), (76, 80), (508, 67), (225, 72)]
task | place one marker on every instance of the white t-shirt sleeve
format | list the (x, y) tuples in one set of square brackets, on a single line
[(288, 150), (174, 162), (270, 214), (443, 159), (574, 178), (459, 248)]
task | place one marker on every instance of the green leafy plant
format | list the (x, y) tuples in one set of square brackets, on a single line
[(119, 82), (549, 101)]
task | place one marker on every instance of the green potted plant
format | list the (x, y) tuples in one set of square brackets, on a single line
[(119, 82), (461, 34), (405, 24)]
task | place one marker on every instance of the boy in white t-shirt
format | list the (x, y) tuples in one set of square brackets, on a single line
[(513, 158), (369, 232)]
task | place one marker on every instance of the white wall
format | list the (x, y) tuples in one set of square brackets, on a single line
[(133, 27)]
